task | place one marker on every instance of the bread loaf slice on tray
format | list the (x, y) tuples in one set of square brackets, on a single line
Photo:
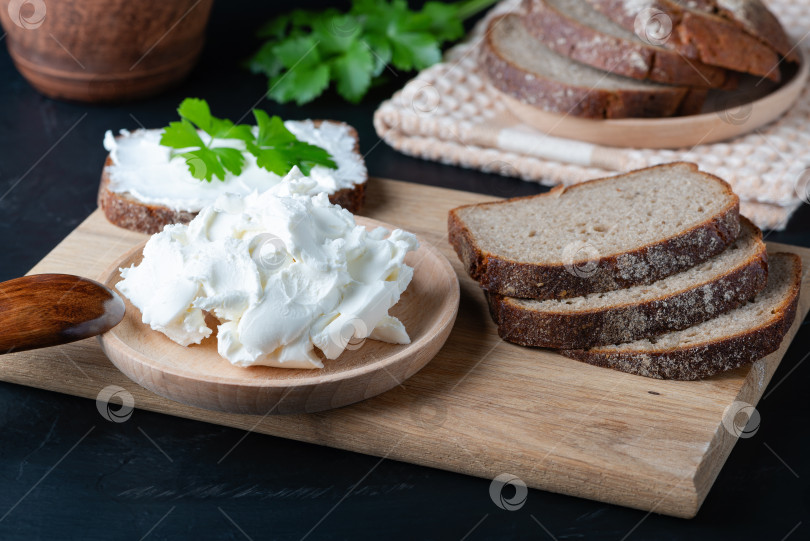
[(752, 16), (576, 30), (696, 34), (601, 235), (518, 64), (679, 301), (726, 342), (125, 207)]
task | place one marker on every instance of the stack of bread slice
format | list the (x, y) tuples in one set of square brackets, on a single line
[(630, 58), (653, 273)]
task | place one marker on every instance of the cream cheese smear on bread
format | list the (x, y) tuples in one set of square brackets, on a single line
[(284, 273), (141, 166)]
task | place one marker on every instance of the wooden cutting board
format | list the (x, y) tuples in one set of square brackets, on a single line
[(482, 407)]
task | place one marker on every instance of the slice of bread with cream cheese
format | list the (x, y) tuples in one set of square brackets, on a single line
[(143, 188)]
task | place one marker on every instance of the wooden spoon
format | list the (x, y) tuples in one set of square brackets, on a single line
[(44, 310)]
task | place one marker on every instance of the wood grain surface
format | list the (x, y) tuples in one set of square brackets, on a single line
[(199, 376), (482, 406)]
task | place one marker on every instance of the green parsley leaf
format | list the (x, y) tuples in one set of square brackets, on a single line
[(231, 159), (271, 130), (441, 20), (197, 112), (414, 50), (306, 51), (298, 51), (302, 84), (353, 71), (265, 61), (206, 163), (305, 78), (307, 156), (203, 164), (337, 32), (181, 134), (278, 150), (380, 50)]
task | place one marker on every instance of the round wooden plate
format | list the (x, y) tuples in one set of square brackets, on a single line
[(198, 376), (726, 115)]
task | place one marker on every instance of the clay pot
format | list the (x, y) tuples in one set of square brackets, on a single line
[(104, 50)]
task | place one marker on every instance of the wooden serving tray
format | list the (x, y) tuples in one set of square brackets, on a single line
[(482, 407)]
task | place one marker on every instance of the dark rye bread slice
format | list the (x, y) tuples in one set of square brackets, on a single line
[(728, 341), (597, 236), (521, 66), (679, 301), (752, 16), (576, 30), (124, 210), (699, 35)]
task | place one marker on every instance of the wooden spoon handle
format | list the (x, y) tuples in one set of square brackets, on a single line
[(44, 310)]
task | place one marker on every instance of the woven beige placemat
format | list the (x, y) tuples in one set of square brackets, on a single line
[(448, 113)]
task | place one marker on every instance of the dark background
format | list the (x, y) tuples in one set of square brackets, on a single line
[(157, 476)]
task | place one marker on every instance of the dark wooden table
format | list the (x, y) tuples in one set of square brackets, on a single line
[(67, 472)]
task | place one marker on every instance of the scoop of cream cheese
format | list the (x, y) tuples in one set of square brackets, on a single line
[(144, 168), (284, 274)]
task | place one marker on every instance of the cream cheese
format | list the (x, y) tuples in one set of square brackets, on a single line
[(283, 274), (142, 167)]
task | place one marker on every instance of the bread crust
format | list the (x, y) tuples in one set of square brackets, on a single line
[(706, 359), (123, 210), (632, 320), (701, 36), (630, 58), (647, 263), (756, 19), (585, 102)]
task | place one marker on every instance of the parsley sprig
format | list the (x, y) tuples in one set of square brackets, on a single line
[(277, 150), (275, 147), (305, 51)]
